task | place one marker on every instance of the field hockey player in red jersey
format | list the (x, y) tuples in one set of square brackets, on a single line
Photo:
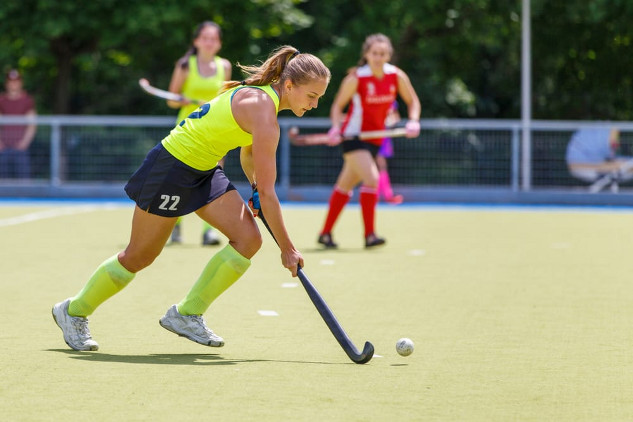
[(370, 90)]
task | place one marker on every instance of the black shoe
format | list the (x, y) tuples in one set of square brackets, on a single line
[(373, 240), (326, 240), (175, 234)]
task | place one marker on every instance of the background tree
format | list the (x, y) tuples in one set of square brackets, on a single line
[(583, 59), (86, 57), (463, 56)]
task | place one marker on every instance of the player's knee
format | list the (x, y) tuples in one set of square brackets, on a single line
[(369, 184), (135, 262), (248, 245), (255, 243)]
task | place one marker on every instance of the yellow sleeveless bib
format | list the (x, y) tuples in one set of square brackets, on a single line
[(198, 87), (210, 132)]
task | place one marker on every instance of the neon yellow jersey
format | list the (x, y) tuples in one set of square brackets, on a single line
[(210, 132), (198, 87)]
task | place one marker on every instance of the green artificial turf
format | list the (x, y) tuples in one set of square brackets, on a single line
[(516, 314)]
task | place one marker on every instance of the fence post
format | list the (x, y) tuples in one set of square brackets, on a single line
[(284, 163), (56, 141), (514, 159)]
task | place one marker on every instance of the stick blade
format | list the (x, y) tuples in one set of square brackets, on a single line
[(366, 355)]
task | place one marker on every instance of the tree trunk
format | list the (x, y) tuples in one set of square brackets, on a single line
[(64, 55)]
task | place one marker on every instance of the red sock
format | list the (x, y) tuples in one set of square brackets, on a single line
[(338, 200), (368, 200)]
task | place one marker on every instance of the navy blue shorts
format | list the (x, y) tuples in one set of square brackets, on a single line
[(356, 144), (166, 186)]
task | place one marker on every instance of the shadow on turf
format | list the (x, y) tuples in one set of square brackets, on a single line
[(334, 250), (203, 359)]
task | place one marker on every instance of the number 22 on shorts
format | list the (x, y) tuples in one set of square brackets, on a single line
[(169, 202)]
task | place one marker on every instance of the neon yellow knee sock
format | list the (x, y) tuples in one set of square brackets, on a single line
[(224, 269), (105, 282)]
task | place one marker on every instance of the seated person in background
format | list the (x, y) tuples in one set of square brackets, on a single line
[(591, 155)]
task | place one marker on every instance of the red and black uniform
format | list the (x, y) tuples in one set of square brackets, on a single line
[(370, 105), (367, 111)]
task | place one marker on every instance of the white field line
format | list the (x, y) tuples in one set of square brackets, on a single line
[(52, 213)]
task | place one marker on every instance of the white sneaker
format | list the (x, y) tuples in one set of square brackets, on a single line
[(191, 327), (210, 237), (75, 329)]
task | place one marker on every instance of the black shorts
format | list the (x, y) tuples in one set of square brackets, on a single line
[(356, 144), (166, 186)]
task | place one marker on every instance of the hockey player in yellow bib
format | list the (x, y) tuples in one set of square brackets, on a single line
[(199, 74), (180, 175)]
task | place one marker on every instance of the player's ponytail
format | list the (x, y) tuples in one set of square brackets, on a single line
[(286, 62)]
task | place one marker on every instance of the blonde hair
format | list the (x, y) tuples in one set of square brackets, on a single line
[(284, 63)]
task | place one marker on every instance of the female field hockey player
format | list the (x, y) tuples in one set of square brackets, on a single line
[(371, 87), (199, 74), (180, 175)]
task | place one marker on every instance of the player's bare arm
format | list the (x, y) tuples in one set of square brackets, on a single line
[(175, 85), (228, 69), (343, 97), (255, 112), (406, 91), (246, 160)]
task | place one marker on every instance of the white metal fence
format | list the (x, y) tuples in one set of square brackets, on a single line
[(451, 160)]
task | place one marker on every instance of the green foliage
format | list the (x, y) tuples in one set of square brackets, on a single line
[(86, 57), (463, 56), (584, 60)]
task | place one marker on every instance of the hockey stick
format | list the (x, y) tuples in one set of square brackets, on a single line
[(607, 179), (161, 93), (323, 138), (327, 315)]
